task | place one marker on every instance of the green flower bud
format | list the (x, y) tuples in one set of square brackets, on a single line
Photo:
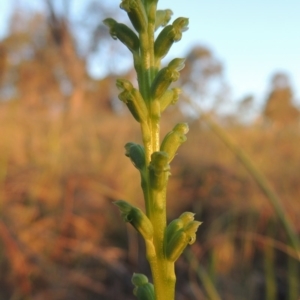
[(133, 99), (169, 35), (168, 98), (139, 279), (136, 13), (176, 245), (136, 218), (165, 77), (174, 139), (162, 18), (136, 153), (144, 290), (123, 33), (159, 170)]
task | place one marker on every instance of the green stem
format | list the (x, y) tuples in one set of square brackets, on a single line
[(145, 66), (163, 272)]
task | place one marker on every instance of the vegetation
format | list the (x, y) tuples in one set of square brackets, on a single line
[(164, 243), (62, 164)]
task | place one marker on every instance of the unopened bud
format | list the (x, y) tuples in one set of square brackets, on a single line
[(143, 290), (136, 153), (133, 99), (165, 77), (174, 139), (169, 35), (139, 279)]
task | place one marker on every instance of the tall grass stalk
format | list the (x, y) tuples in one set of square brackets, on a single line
[(164, 244), (269, 266), (203, 276), (293, 279), (257, 175), (275, 202)]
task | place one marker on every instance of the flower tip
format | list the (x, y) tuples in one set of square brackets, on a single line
[(124, 206), (109, 22), (182, 23), (177, 63), (169, 12), (192, 227)]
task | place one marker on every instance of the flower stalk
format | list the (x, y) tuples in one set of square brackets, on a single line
[(164, 244)]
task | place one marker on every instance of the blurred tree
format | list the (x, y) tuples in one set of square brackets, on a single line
[(73, 64), (202, 78), (42, 65), (279, 108), (200, 66)]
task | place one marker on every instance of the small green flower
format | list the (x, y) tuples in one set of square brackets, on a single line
[(178, 224), (136, 13), (170, 97), (180, 232), (169, 35), (174, 139), (180, 239), (162, 18), (123, 33), (165, 77), (133, 99), (136, 218)]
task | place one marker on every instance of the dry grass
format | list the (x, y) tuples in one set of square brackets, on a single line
[(60, 235)]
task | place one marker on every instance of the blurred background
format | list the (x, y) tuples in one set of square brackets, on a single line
[(62, 162)]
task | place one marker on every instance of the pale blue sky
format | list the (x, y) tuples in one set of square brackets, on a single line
[(253, 38)]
